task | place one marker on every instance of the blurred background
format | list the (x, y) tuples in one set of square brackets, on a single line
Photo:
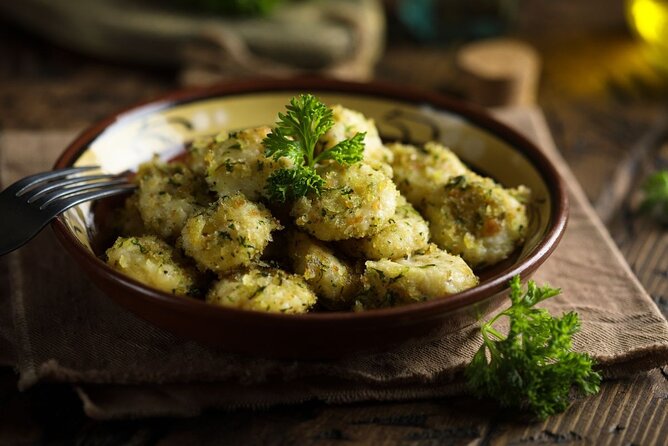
[(119, 49), (598, 69)]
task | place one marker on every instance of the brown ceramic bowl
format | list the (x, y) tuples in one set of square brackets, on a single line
[(166, 125)]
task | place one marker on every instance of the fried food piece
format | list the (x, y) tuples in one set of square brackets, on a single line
[(198, 150), (230, 234), (333, 280), (356, 201), (405, 233), (468, 214), (168, 194), (418, 171), (271, 290), (238, 164), (432, 275), (477, 218), (348, 123), (154, 263)]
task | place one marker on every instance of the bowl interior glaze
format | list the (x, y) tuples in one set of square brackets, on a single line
[(166, 126)]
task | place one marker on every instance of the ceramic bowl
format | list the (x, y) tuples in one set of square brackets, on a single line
[(166, 125)]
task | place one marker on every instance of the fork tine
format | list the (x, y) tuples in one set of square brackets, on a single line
[(65, 193), (29, 204), (72, 182), (21, 186), (56, 207)]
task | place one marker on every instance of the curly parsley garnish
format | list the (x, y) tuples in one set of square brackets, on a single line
[(533, 367), (655, 202), (295, 137)]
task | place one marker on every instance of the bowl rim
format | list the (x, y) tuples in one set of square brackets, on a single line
[(471, 113)]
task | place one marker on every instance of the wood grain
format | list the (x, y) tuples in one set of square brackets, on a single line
[(626, 412)]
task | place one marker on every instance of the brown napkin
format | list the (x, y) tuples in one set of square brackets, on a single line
[(56, 326)]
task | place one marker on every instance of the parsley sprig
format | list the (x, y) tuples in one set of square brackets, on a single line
[(295, 137), (533, 367)]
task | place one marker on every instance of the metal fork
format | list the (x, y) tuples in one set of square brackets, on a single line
[(29, 204)]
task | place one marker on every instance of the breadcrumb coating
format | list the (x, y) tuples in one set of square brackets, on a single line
[(237, 163), (153, 262), (332, 279), (405, 233), (230, 234), (418, 170), (168, 194), (468, 214), (432, 275), (357, 201), (348, 123), (271, 290), (477, 218)]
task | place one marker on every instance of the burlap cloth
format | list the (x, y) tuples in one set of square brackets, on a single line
[(55, 326)]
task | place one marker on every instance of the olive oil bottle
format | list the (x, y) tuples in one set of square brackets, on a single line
[(649, 19)]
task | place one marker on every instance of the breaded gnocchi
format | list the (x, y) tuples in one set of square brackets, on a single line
[(405, 233), (198, 150), (332, 279), (432, 275), (153, 262), (477, 218), (168, 194), (232, 233), (271, 290), (361, 227), (347, 123), (238, 163), (468, 214), (356, 201), (419, 170)]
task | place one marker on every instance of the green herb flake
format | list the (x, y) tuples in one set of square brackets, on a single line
[(655, 202), (141, 247), (224, 235), (256, 292), (346, 190), (244, 242), (458, 181), (229, 165)]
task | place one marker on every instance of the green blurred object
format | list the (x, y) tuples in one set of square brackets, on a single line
[(655, 202), (229, 7)]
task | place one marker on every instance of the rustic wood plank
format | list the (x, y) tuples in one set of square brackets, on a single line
[(647, 253), (644, 242), (629, 172), (453, 421), (631, 411), (625, 412)]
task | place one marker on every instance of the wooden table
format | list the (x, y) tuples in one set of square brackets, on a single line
[(607, 111)]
